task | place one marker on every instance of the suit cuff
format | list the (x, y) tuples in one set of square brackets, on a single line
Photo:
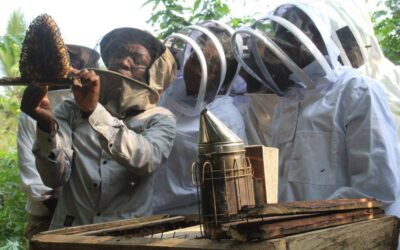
[(45, 142)]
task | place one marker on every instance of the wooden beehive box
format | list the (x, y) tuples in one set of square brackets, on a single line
[(264, 161), (335, 224)]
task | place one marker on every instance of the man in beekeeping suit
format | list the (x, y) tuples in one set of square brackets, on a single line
[(353, 34), (207, 67), (41, 200), (103, 147), (333, 126)]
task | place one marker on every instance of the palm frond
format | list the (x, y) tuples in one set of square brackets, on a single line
[(16, 24), (11, 43)]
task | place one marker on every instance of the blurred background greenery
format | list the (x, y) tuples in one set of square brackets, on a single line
[(12, 201), (168, 16)]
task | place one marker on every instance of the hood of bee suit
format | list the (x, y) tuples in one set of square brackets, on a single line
[(320, 16), (353, 33), (201, 72), (123, 96), (285, 42), (224, 33), (162, 71)]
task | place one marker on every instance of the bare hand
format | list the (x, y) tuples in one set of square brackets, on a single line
[(36, 104), (86, 96)]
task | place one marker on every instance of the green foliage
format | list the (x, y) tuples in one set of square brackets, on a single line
[(169, 16), (12, 204), (237, 22), (9, 110), (209, 10), (387, 29), (11, 42), (12, 201), (173, 15), (10, 49)]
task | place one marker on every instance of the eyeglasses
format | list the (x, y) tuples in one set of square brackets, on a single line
[(135, 67), (116, 62)]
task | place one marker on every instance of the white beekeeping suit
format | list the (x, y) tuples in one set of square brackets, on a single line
[(257, 113), (333, 127), (203, 81), (353, 33)]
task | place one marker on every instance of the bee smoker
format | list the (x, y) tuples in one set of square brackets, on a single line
[(224, 175)]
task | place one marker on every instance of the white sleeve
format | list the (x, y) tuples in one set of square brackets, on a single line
[(32, 184), (54, 152)]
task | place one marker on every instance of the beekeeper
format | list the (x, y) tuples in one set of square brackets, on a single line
[(332, 125), (353, 34), (103, 147), (207, 67)]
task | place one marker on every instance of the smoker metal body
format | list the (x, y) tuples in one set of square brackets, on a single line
[(224, 175)]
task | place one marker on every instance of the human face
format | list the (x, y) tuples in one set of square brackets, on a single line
[(131, 60), (192, 71)]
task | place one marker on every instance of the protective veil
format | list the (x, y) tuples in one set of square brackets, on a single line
[(333, 126), (255, 102), (205, 71), (123, 96), (162, 69), (353, 33)]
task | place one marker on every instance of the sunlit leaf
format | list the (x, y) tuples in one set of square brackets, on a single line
[(196, 5), (178, 15), (387, 29)]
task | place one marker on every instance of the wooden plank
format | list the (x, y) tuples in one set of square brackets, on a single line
[(75, 242), (193, 232), (139, 225), (105, 225), (382, 233), (316, 206), (226, 226), (379, 233), (264, 162), (271, 173), (264, 230)]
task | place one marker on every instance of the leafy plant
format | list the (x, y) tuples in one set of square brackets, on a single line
[(237, 22), (12, 203), (209, 10), (12, 200), (387, 29), (11, 42), (172, 15), (10, 50), (9, 109)]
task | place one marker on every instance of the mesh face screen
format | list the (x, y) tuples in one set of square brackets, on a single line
[(350, 46)]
